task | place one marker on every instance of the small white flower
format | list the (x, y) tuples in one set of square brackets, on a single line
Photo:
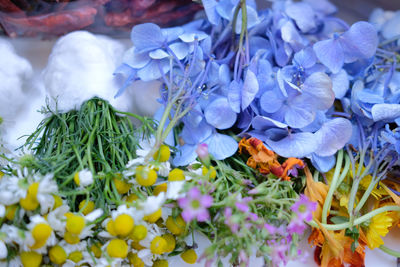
[(153, 203), (47, 187), (10, 191), (3, 250), (85, 178), (56, 218), (174, 188), (29, 241), (2, 211), (164, 168)]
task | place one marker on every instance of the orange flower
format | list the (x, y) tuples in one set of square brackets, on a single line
[(334, 248), (265, 160), (315, 191)]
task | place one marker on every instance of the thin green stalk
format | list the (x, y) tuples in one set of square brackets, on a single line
[(390, 251), (357, 221), (332, 188)]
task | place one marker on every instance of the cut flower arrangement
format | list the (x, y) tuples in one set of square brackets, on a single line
[(271, 123)]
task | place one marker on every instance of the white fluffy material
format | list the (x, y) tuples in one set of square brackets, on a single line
[(80, 67), (15, 72)]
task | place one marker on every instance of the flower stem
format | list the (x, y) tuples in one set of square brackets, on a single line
[(332, 188), (390, 251)]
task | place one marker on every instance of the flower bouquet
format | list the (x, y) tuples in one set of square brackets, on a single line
[(270, 126)]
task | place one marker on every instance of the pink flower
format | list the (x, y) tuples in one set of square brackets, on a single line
[(303, 209), (202, 151), (195, 205)]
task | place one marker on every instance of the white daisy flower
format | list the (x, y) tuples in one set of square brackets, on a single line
[(39, 236)]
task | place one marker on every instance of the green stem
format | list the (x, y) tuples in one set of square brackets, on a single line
[(390, 251), (357, 221), (332, 188)]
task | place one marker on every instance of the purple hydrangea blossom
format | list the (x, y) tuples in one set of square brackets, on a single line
[(195, 205)]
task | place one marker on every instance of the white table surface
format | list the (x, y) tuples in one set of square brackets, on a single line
[(37, 52)]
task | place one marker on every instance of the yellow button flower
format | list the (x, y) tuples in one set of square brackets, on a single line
[(171, 243), (75, 256), (160, 188), (158, 245), (135, 260), (71, 238), (86, 208), (139, 233), (96, 249), (75, 224), (175, 225), (152, 218), (123, 224), (176, 175), (160, 263), (57, 255), (162, 154), (41, 232), (117, 248), (121, 186), (30, 259), (145, 176), (189, 256)]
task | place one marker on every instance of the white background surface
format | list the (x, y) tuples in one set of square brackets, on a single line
[(37, 52)]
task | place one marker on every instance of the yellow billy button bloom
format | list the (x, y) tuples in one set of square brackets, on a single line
[(152, 218), (30, 202), (75, 256), (162, 154), (145, 176), (30, 259), (96, 249), (40, 233), (57, 202), (175, 225), (139, 233), (158, 245), (117, 248), (57, 255), (75, 224), (171, 243), (10, 212), (160, 263), (71, 238), (121, 186), (123, 225), (135, 260), (110, 228), (211, 172), (86, 208), (189, 256), (176, 175), (160, 188)]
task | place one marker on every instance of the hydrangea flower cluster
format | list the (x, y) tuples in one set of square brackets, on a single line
[(273, 74)]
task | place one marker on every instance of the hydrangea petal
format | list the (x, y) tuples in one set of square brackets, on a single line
[(219, 114), (323, 164), (332, 136), (263, 123), (360, 41), (330, 53), (158, 54), (340, 83), (299, 116), (221, 146), (302, 14), (190, 37), (134, 59), (270, 102), (234, 96), (249, 89), (172, 33), (319, 86), (195, 135), (296, 145), (211, 12), (181, 50), (252, 19), (152, 72), (385, 112), (392, 27), (185, 155), (147, 37), (305, 58)]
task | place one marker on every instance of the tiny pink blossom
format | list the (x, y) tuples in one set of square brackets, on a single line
[(195, 205)]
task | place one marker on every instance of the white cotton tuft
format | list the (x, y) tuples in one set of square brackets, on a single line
[(15, 72), (81, 66)]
